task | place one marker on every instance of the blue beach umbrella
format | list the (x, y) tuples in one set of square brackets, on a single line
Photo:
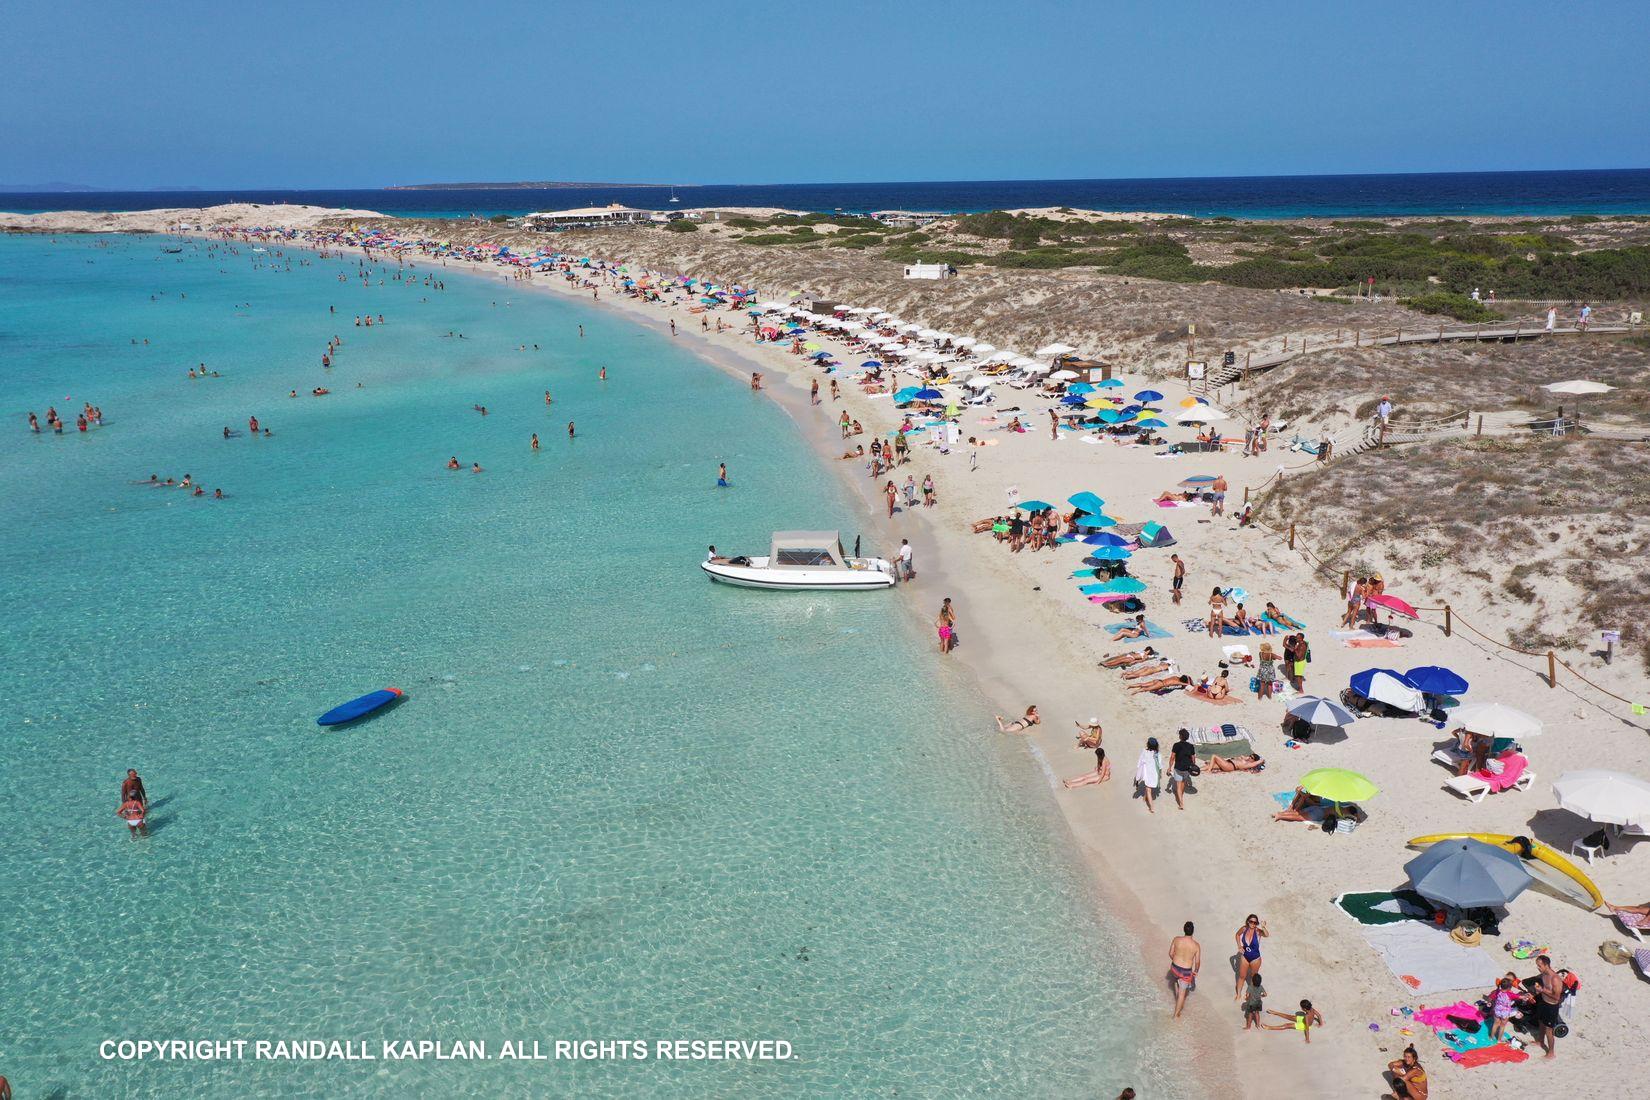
[(820, 355), (1435, 680), (1095, 522), (1087, 501), (870, 364), (1034, 505), (1121, 586), (906, 396), (1073, 399), (1080, 387), (1148, 395), (1104, 538), (1465, 873), (1110, 416), (1109, 553), (1111, 383), (1198, 479), (929, 394), (1151, 422)]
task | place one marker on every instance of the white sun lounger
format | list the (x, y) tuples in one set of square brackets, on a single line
[(1474, 789)]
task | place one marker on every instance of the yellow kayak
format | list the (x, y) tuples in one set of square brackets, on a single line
[(1546, 865)]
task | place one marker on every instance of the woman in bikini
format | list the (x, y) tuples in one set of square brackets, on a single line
[(1148, 671), (1020, 725), (1246, 763), (1248, 942), (1132, 657), (1354, 601), (1289, 622), (1217, 613), (1101, 772), (1168, 683)]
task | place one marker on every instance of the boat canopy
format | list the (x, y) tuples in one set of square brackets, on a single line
[(807, 550)]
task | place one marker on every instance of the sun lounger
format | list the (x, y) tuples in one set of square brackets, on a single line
[(1152, 629), (1632, 922), (1476, 786)]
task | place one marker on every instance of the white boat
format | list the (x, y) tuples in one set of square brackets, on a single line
[(803, 560)]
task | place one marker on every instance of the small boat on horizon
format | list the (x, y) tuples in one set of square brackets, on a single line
[(802, 561), (360, 707)]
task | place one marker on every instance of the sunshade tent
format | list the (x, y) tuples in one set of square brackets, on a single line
[(1338, 785), (1385, 685), (1610, 798), (1436, 680), (1496, 720), (1467, 873), (1321, 712)]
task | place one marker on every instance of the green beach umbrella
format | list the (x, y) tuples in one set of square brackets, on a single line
[(1338, 785)]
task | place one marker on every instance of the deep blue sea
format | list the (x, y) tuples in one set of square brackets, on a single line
[(618, 801), (1625, 191)]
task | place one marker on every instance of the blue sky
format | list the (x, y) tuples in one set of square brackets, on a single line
[(305, 94)]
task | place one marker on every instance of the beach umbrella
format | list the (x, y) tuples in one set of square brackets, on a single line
[(1078, 387), (1435, 680), (1466, 874), (1152, 422), (1579, 387), (984, 348), (965, 341), (1385, 685), (929, 394), (1200, 414), (907, 395), (1109, 553), (1073, 399), (978, 383), (1095, 522), (1063, 375), (1034, 505), (1495, 720), (1321, 712), (1188, 402), (1055, 349), (1105, 538), (1610, 798), (1338, 785), (820, 355), (1111, 383), (1121, 586), (1148, 395), (1086, 501), (1110, 416), (870, 364), (1392, 603), (1198, 479)]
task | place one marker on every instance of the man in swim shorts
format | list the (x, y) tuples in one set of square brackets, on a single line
[(132, 788), (1185, 960)]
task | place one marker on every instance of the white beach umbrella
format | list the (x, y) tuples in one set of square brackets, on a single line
[(1055, 349), (1034, 367), (1064, 375), (1201, 414), (1579, 387), (1005, 356), (941, 335), (927, 334), (1495, 720), (912, 327), (983, 348), (771, 306), (1610, 798), (978, 383), (965, 341)]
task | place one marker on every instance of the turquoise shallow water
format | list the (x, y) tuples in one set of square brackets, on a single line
[(618, 803)]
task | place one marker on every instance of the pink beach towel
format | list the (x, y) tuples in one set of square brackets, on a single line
[(1440, 1017), (1513, 766)]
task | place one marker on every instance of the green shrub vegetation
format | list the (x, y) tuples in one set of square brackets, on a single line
[(1459, 306), (682, 226)]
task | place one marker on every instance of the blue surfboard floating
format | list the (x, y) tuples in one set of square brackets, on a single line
[(359, 708)]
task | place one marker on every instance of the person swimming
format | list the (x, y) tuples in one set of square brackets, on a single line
[(452, 463)]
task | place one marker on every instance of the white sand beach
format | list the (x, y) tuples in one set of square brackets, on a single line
[(1031, 637)]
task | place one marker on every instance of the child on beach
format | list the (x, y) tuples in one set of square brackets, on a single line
[(1253, 994), (1303, 1020)]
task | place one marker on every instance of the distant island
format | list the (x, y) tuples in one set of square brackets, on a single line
[(45, 188), (522, 185)]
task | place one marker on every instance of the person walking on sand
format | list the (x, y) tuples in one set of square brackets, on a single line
[(1217, 507), (1585, 317), (1179, 579), (1248, 957), (1054, 424), (906, 572), (1148, 772), (893, 498), (1409, 1080), (1182, 766), (1185, 960), (813, 392)]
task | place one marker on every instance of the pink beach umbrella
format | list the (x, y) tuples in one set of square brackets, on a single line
[(1393, 603)]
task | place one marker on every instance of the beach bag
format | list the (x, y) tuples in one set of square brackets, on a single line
[(1612, 952)]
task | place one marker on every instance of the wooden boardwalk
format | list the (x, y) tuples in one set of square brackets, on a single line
[(1498, 333)]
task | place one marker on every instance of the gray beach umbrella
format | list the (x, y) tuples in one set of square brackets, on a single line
[(1321, 712), (1467, 873)]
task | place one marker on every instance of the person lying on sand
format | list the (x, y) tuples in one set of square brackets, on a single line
[(1132, 657), (1020, 725), (1146, 672), (1289, 621), (1249, 762), (1167, 684), (1136, 629), (1101, 772), (1642, 911), (1298, 807)]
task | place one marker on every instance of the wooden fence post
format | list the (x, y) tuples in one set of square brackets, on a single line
[(1399, 337), (1480, 425), (1246, 494), (1291, 536), (1346, 581), (1357, 338), (1552, 669), (1449, 621), (1286, 343)]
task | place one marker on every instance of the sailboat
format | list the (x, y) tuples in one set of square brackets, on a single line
[(673, 197)]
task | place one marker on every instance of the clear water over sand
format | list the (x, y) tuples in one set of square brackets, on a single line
[(618, 802)]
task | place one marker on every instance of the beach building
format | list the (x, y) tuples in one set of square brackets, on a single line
[(906, 219), (929, 271), (587, 217)]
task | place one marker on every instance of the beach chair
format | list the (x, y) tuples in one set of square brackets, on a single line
[(1475, 788), (1631, 922)]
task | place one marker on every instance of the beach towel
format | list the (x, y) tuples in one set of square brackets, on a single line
[(1513, 766), (1111, 597), (1484, 1056), (1281, 625), (1176, 503), (1152, 629), (1372, 643), (1238, 746), (1426, 960), (1446, 1017), (1283, 798), (1230, 700), (1222, 733), (1377, 907)]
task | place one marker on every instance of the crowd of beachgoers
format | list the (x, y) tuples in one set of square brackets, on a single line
[(956, 426)]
